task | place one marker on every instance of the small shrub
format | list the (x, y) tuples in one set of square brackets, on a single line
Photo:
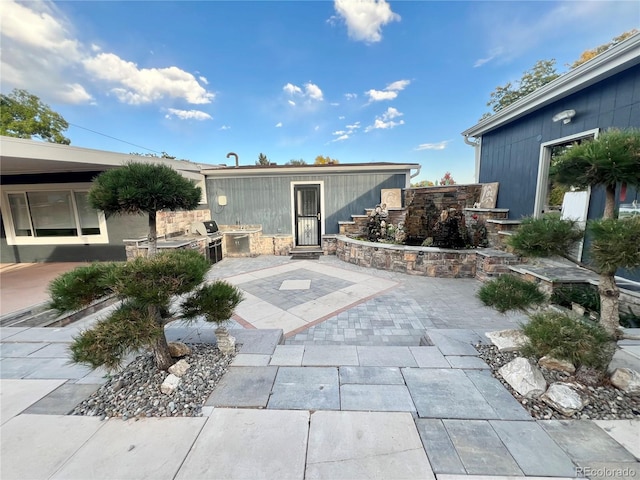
[(629, 319), (616, 243), (546, 236), (79, 287), (216, 302), (568, 338), (582, 294), (509, 292)]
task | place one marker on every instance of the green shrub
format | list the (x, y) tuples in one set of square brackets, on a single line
[(509, 292), (616, 243), (629, 319), (79, 287), (561, 336), (215, 301), (582, 294), (109, 341), (546, 236)]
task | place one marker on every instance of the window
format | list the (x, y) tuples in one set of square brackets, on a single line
[(51, 214)]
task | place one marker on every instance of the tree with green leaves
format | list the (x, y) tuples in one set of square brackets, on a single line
[(145, 287), (610, 160), (143, 188), (293, 161), (24, 115), (594, 52), (262, 160)]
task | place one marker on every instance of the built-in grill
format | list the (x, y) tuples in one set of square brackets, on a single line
[(214, 238)]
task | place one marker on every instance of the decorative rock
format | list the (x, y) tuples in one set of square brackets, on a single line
[(626, 380), (524, 377), (507, 340), (170, 384), (179, 368), (551, 363), (226, 343), (564, 398), (178, 349)]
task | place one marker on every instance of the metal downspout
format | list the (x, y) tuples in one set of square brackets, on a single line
[(477, 144)]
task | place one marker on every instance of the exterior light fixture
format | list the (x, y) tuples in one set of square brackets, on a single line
[(565, 116), (222, 200)]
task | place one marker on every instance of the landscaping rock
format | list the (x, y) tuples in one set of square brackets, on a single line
[(226, 343), (564, 398), (178, 349), (524, 377), (626, 380), (507, 340), (170, 384), (179, 368), (551, 363)]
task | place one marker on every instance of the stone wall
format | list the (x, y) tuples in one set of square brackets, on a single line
[(275, 245), (169, 223), (425, 261), (424, 206)]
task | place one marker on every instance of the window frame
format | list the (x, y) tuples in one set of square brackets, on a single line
[(72, 188)]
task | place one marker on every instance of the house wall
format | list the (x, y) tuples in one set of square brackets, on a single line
[(510, 154), (266, 200)]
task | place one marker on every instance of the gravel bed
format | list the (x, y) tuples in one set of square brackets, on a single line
[(135, 391), (606, 402)]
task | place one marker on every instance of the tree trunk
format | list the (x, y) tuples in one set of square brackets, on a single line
[(160, 348), (610, 202), (153, 235), (161, 353), (609, 304)]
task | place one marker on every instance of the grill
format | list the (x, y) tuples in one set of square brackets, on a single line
[(214, 238)]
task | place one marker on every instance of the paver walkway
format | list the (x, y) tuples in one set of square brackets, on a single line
[(365, 401)]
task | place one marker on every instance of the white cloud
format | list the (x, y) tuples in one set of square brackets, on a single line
[(278, 125), (292, 89), (334, 104), (341, 138), (339, 132), (144, 85), (187, 114), (385, 121), (225, 127), (379, 95), (341, 117), (41, 53), (433, 146), (351, 96), (316, 128), (203, 80), (365, 18), (345, 134), (353, 126), (292, 103), (390, 92), (313, 91)]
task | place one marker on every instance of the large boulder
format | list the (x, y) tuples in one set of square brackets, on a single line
[(507, 340), (626, 380), (524, 377), (564, 398), (178, 349)]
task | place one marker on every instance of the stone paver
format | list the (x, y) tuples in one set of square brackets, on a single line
[(249, 444), (288, 355), (119, 448), (306, 388), (244, 387), (365, 445), (502, 402), (429, 357), (440, 393), (442, 454), (625, 432), (63, 399), (532, 448), (386, 357), (585, 442), (480, 449), (378, 398), (371, 376), (51, 439), (334, 355), (250, 360), (467, 362), (17, 395), (20, 349)]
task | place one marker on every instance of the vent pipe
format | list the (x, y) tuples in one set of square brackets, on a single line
[(231, 154)]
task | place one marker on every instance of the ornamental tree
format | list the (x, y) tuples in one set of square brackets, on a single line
[(139, 188), (145, 287)]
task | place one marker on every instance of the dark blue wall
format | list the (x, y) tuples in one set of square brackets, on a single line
[(510, 154)]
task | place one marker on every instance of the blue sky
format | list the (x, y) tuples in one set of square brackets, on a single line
[(359, 81)]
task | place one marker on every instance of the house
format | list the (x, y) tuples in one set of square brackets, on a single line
[(294, 206), (44, 213), (45, 216), (515, 145)]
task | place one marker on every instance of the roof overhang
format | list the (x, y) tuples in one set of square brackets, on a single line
[(279, 170), (22, 157), (616, 59)]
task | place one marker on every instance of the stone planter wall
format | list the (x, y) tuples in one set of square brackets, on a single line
[(274, 245), (170, 223), (425, 261)]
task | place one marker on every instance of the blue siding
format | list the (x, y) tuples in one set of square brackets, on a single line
[(267, 200), (510, 154)]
